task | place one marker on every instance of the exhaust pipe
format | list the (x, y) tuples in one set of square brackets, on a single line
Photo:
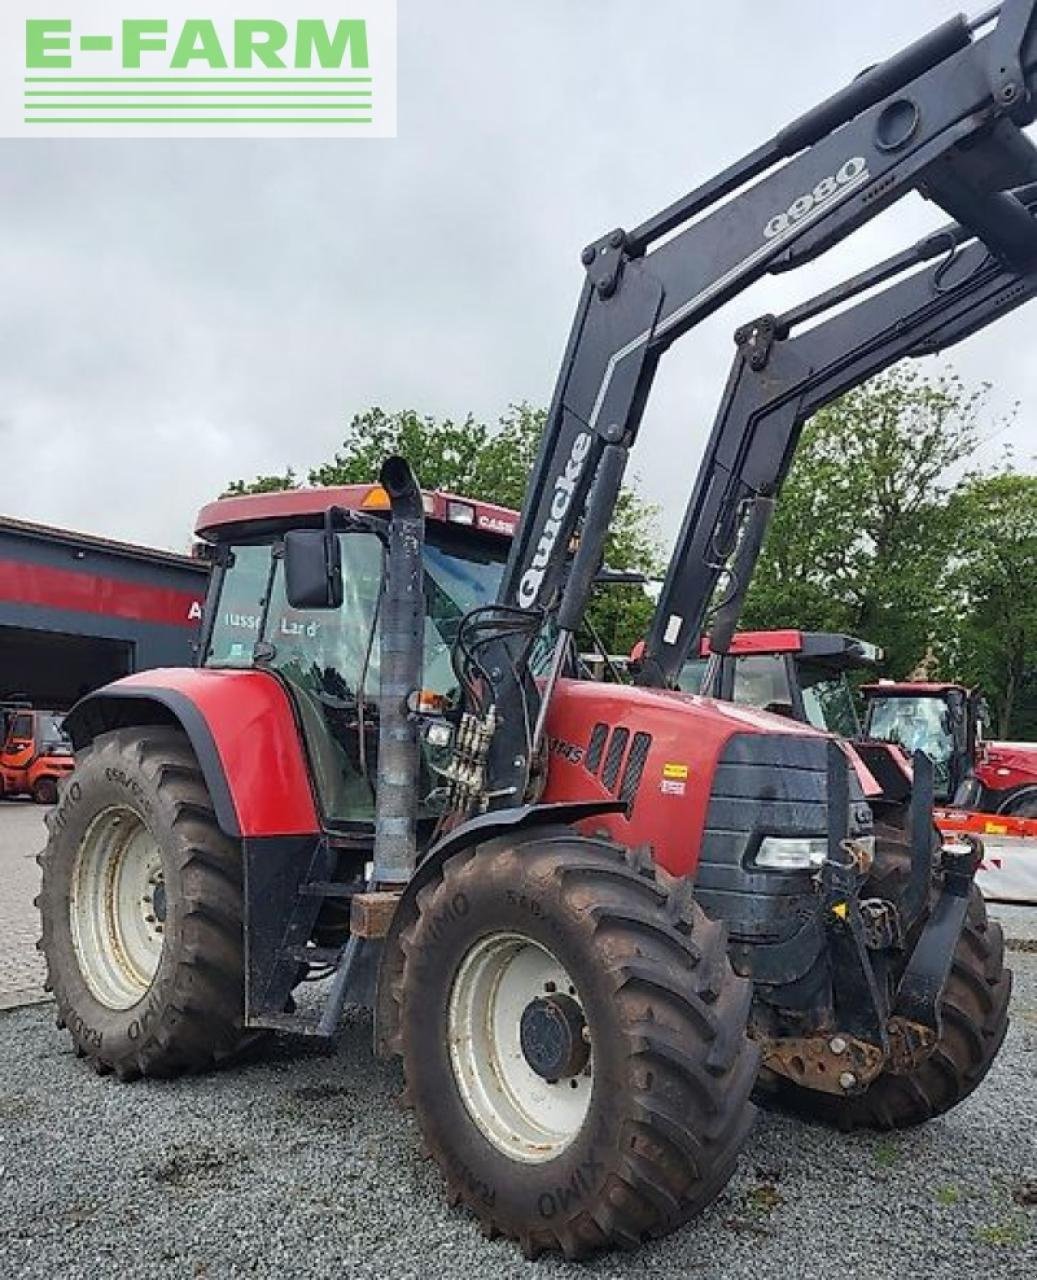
[(402, 647)]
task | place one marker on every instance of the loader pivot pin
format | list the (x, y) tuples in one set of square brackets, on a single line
[(552, 1037)]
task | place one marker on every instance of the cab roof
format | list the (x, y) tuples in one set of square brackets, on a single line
[(912, 689), (253, 514), (825, 646)]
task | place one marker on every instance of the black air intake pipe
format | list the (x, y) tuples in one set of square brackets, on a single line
[(402, 647)]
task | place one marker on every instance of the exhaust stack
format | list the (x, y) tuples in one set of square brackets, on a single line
[(402, 645)]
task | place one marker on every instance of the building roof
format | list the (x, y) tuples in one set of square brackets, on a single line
[(94, 542)]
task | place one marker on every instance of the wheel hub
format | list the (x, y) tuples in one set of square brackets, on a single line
[(518, 1046), (118, 906), (553, 1036)]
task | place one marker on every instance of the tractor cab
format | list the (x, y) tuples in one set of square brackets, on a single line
[(943, 720), (799, 674), (329, 660)]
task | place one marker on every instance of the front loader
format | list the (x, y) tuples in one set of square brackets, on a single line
[(388, 775)]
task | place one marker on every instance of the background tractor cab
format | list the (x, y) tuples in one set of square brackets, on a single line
[(35, 752), (801, 674), (946, 721)]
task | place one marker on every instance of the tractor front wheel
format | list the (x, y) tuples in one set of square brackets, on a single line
[(141, 907), (574, 1042)]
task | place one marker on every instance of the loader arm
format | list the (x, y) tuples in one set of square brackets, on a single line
[(944, 117), (779, 380)]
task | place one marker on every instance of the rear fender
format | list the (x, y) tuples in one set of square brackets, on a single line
[(242, 729), (487, 826)]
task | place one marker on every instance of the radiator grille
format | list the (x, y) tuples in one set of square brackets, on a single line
[(635, 767), (596, 746), (614, 757)]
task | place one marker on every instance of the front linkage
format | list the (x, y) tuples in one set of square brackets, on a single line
[(888, 979)]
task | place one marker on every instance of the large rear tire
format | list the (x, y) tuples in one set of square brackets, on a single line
[(551, 942), (974, 1017), (141, 907)]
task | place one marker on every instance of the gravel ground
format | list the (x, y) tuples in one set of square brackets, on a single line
[(302, 1164)]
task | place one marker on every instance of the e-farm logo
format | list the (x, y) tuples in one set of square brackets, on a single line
[(211, 68)]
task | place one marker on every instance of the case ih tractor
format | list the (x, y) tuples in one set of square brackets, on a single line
[(583, 914), (35, 752), (946, 721)]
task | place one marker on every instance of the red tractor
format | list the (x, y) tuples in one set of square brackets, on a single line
[(946, 722), (591, 919), (35, 753)]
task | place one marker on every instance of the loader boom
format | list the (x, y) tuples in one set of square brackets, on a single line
[(944, 117), (779, 380)]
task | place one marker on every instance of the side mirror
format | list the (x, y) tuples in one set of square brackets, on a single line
[(313, 568)]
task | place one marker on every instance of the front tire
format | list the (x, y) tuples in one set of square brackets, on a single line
[(141, 908), (552, 943)]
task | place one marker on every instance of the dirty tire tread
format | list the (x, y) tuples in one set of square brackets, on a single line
[(682, 1113), (198, 996)]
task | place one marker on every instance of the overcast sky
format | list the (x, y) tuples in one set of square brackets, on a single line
[(175, 315)]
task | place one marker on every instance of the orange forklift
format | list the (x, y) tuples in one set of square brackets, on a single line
[(35, 752)]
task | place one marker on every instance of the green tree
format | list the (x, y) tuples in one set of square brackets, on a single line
[(262, 484), (989, 632), (864, 526), (492, 463)]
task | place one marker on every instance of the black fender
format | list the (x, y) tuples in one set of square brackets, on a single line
[(488, 826), (111, 708)]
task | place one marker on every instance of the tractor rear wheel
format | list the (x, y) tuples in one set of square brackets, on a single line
[(141, 907), (574, 1042), (974, 1016)]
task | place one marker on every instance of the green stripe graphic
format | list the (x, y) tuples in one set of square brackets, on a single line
[(198, 93)]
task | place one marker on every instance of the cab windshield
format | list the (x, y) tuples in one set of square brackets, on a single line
[(916, 724), (828, 699), (331, 658)]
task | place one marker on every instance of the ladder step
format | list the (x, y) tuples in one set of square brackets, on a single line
[(290, 1022)]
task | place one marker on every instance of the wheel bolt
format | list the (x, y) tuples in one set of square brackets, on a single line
[(837, 1044), (847, 1080)]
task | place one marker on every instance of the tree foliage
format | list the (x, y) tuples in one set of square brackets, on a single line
[(882, 532), (989, 636), (492, 463)]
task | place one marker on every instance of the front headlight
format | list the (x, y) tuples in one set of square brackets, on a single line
[(798, 853), (791, 853)]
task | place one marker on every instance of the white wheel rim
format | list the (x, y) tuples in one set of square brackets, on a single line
[(117, 907), (521, 1113)]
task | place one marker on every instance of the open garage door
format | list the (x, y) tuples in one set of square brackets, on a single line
[(51, 669)]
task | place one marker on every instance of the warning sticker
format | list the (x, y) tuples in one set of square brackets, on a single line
[(670, 787), (675, 771)]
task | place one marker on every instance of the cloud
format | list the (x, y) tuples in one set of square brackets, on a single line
[(179, 314)]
